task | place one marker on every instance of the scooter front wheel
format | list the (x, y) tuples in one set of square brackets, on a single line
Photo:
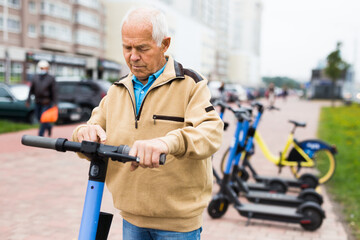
[(312, 219), (218, 207)]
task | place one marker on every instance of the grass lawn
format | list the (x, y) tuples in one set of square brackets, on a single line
[(8, 126), (341, 126)]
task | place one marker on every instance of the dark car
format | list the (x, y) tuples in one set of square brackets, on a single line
[(86, 93), (12, 105)]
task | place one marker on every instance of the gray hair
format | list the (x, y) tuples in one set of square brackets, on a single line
[(153, 16)]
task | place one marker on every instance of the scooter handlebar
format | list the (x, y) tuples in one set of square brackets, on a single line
[(61, 144), (37, 141)]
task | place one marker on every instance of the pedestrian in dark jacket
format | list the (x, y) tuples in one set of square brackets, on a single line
[(43, 88)]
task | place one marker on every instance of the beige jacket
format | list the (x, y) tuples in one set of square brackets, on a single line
[(177, 110)]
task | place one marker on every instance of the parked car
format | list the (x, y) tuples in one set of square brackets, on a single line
[(12, 105), (86, 93), (350, 93), (235, 92), (214, 87)]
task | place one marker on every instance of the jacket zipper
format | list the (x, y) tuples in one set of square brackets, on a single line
[(132, 102), (169, 118), (142, 103), (137, 117)]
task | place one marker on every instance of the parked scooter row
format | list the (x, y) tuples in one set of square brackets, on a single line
[(270, 202)]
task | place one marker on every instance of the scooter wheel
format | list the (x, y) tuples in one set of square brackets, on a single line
[(312, 219), (243, 174), (309, 181), (218, 207), (312, 198), (277, 186)]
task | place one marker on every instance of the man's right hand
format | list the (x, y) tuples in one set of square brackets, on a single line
[(92, 133)]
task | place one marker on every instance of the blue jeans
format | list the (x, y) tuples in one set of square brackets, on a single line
[(132, 232), (39, 109)]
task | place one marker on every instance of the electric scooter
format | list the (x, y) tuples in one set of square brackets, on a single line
[(95, 225), (309, 214), (275, 185), (240, 186)]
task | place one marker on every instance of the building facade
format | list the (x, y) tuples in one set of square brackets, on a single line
[(244, 42), (68, 33)]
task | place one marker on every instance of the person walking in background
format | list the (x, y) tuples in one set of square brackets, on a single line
[(285, 92), (270, 94), (43, 87), (159, 107)]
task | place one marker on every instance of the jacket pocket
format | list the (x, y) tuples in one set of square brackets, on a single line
[(168, 118)]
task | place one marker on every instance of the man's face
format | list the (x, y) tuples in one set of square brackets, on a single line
[(141, 53)]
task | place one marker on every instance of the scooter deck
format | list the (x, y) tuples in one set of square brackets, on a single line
[(291, 182), (259, 186), (278, 199), (274, 213)]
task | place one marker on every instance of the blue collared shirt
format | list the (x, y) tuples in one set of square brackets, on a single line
[(140, 90)]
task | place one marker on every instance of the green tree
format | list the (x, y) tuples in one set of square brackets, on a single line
[(281, 81), (335, 68)]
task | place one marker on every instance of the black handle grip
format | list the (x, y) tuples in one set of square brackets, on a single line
[(37, 141), (126, 150), (162, 159)]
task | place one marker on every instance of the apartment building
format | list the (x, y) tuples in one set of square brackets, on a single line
[(70, 34)]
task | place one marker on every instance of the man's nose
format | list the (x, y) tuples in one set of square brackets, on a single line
[(135, 56)]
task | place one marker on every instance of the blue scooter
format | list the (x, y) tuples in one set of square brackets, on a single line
[(95, 225)]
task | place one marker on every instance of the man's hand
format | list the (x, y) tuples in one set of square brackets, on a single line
[(149, 153), (92, 133), (27, 104)]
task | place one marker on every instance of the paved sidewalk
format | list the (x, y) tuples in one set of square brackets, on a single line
[(42, 191)]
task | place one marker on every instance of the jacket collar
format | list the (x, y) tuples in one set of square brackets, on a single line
[(173, 70)]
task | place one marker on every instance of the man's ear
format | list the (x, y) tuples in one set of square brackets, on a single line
[(165, 44)]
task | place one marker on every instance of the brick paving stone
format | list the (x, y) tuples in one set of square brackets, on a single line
[(42, 191)]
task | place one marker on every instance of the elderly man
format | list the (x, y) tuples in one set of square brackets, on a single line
[(160, 107)]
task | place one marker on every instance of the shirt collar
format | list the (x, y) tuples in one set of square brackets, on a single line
[(152, 77)]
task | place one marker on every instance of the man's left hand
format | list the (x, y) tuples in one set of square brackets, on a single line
[(149, 153)]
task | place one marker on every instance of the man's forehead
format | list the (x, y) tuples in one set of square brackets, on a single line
[(137, 26)]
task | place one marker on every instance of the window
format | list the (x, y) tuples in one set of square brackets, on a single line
[(89, 3), (56, 9), (32, 7), (87, 38), (16, 71), (32, 30), (2, 71), (11, 3), (13, 24), (4, 95), (87, 19), (56, 31)]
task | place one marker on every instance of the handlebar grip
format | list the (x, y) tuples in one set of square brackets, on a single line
[(37, 141), (162, 159), (125, 149)]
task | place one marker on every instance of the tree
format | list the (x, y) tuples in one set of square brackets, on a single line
[(281, 81), (335, 68)]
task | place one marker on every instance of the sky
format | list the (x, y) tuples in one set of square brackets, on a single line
[(297, 34)]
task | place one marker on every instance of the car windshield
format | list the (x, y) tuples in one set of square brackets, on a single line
[(20, 92)]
